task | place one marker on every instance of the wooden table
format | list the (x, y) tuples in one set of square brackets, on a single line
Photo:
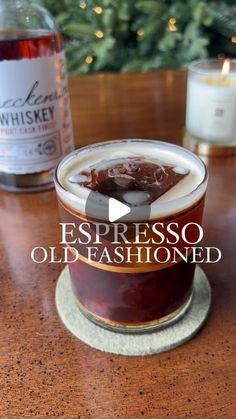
[(46, 372)]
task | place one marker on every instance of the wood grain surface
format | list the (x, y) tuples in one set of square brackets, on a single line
[(46, 372)]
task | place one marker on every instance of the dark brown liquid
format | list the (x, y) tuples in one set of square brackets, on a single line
[(136, 174), (18, 45), (131, 299), (137, 298)]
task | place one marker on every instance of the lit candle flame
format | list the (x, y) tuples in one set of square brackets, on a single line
[(226, 67)]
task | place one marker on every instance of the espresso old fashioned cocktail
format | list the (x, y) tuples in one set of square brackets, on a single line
[(135, 273)]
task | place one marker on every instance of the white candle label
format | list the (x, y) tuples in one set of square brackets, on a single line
[(219, 117), (35, 120), (211, 111)]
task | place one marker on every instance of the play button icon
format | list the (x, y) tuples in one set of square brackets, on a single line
[(108, 209), (117, 210)]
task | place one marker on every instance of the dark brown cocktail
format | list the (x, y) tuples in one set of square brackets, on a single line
[(135, 273)]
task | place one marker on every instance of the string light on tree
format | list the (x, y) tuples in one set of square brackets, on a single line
[(140, 32), (172, 25), (83, 5), (172, 21), (98, 10), (99, 34), (89, 59), (233, 39), (173, 28)]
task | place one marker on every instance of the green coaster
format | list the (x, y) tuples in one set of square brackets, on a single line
[(129, 344)]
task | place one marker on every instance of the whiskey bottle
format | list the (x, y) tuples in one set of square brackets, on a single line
[(35, 118)]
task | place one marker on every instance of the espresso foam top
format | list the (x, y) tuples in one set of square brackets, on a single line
[(184, 194)]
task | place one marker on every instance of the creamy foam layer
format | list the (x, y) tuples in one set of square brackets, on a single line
[(180, 197)]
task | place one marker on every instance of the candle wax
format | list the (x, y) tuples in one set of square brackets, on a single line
[(220, 81)]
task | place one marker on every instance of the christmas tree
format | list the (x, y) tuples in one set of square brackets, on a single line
[(142, 35)]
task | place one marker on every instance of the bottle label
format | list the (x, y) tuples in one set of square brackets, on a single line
[(35, 119)]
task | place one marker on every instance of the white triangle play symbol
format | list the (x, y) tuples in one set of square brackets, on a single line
[(117, 210)]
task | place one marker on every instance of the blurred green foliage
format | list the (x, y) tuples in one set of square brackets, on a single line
[(142, 35)]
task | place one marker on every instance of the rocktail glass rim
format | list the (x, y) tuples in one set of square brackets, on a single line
[(178, 201)]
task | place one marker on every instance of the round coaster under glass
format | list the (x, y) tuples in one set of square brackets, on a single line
[(148, 343), (207, 148)]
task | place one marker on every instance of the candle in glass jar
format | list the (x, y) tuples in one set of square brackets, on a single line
[(211, 101)]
